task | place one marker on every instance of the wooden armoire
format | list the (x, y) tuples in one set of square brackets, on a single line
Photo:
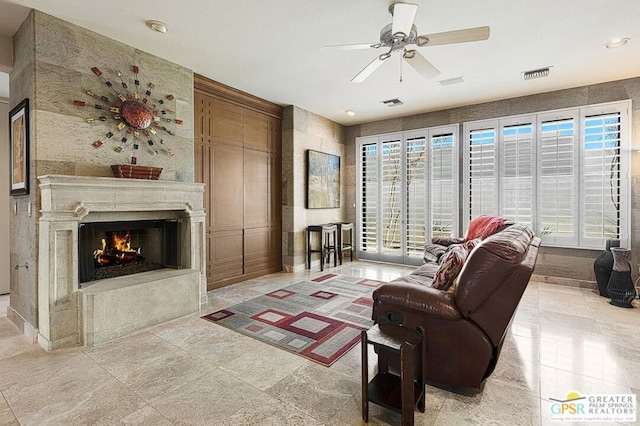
[(238, 156)]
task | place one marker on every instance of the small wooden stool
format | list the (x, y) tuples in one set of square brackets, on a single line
[(328, 243), (343, 243), (403, 393)]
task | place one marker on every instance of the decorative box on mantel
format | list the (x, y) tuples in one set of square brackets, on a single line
[(110, 308), (132, 171)]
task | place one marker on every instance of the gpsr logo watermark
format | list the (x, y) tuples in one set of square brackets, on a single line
[(594, 408)]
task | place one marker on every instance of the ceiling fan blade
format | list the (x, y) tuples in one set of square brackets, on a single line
[(420, 64), (403, 16), (456, 36), (368, 70), (351, 46)]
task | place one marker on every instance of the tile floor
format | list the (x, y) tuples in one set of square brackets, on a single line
[(191, 371)]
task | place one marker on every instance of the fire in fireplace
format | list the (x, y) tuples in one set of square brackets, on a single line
[(113, 249)]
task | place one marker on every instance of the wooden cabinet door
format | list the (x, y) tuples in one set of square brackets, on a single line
[(227, 211), (238, 157)]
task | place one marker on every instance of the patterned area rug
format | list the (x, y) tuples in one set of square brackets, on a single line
[(319, 319)]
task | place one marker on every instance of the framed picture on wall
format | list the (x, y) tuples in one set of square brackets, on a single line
[(323, 180), (19, 148)]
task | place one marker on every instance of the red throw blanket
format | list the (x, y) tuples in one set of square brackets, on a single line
[(483, 226)]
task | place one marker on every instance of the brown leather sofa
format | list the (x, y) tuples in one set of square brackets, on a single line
[(464, 328)]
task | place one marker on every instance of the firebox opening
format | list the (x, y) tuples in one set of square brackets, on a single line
[(113, 249)]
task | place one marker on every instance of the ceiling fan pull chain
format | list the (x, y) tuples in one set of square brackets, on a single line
[(401, 69)]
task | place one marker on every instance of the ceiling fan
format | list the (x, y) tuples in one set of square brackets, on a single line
[(401, 34)]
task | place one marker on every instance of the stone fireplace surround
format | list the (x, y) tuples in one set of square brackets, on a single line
[(112, 308)]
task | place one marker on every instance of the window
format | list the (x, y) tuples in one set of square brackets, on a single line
[(407, 190), (564, 173)]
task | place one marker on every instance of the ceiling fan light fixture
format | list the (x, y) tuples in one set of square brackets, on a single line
[(156, 26), (619, 42), (409, 54), (422, 40)]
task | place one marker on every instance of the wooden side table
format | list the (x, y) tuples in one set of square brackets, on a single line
[(345, 244), (402, 393), (328, 243)]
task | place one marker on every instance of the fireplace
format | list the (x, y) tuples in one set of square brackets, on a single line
[(116, 256), (113, 249)]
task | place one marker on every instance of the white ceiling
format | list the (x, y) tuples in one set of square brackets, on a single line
[(271, 48)]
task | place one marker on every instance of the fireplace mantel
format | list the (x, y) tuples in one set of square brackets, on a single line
[(68, 315)]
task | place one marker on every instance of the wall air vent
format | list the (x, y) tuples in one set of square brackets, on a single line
[(533, 74), (392, 102)]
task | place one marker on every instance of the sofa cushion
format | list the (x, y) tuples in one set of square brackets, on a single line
[(450, 267)]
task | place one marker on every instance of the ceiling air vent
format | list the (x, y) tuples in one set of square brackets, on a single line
[(533, 74), (392, 102)]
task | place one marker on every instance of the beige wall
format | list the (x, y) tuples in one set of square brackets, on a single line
[(5, 199), (52, 67), (303, 130), (576, 264)]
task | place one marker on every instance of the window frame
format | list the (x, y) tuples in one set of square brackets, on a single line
[(579, 115), (427, 134)]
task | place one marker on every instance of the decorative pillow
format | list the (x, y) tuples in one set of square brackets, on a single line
[(483, 226), (470, 245), (450, 267)]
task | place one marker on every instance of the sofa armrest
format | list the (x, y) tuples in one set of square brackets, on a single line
[(447, 241), (418, 299)]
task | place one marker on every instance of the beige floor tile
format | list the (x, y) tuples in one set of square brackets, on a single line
[(184, 333), (222, 347), (316, 390), (209, 400), (499, 403), (555, 383), (6, 415), (192, 371), (39, 363), (125, 355), (269, 412), (263, 366), (164, 375), (145, 416), (87, 396), (8, 329), (16, 345)]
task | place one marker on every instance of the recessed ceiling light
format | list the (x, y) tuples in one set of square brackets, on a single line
[(157, 26), (617, 43), (350, 112)]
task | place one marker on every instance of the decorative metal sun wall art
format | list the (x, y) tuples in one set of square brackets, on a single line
[(138, 116)]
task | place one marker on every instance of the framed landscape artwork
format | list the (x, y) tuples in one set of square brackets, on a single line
[(19, 148), (323, 180)]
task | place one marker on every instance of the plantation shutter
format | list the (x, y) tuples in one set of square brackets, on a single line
[(416, 200), (369, 181), (557, 188), (516, 173), (392, 197), (443, 188), (482, 173), (601, 192)]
